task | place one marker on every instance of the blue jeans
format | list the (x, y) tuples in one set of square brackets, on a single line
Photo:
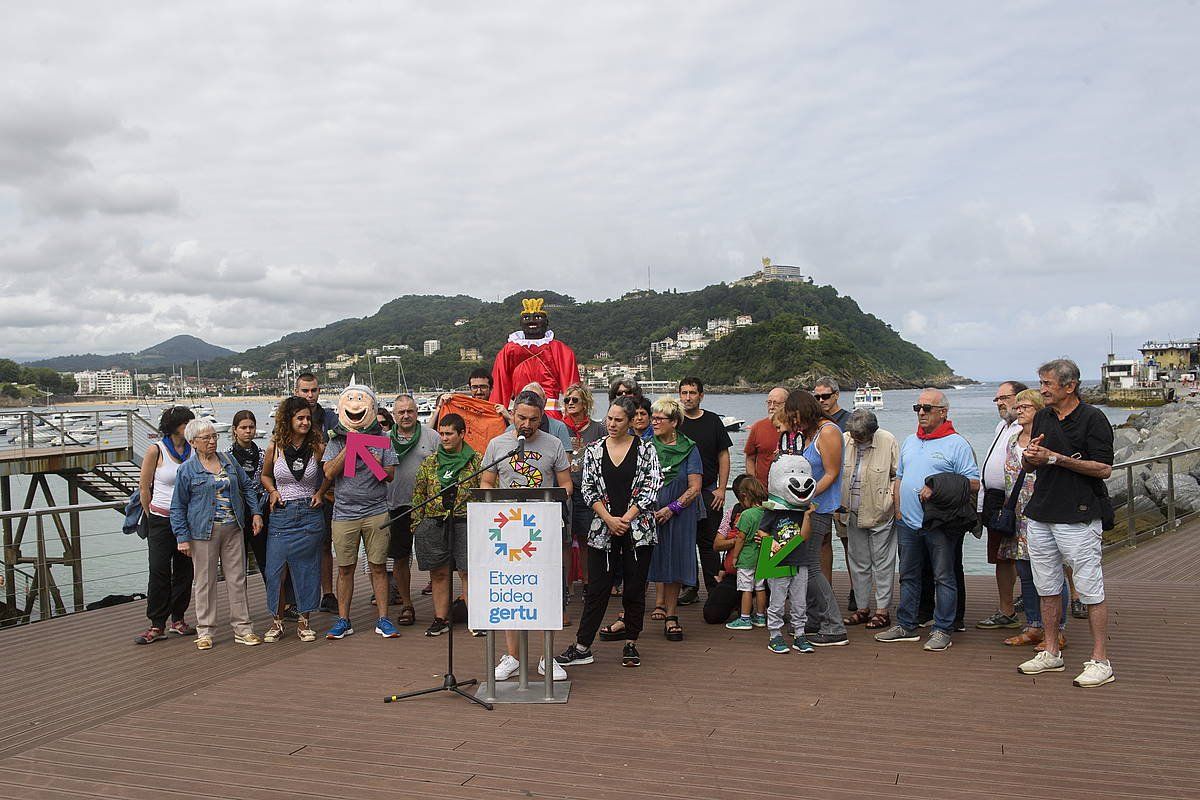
[(295, 540), (1033, 603), (940, 547)]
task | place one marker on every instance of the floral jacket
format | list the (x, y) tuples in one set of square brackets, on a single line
[(647, 480)]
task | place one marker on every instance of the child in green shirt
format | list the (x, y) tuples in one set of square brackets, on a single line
[(751, 494)]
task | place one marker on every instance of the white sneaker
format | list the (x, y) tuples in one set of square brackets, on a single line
[(1095, 673), (507, 667), (560, 674), (1042, 662)]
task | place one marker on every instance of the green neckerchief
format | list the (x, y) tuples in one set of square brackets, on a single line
[(341, 430), (671, 456), (404, 448), (450, 464)]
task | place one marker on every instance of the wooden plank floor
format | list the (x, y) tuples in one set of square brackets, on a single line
[(85, 714)]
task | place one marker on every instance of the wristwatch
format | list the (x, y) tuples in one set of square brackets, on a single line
[(1052, 460)]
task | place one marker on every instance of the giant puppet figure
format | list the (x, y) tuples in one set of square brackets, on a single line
[(533, 355)]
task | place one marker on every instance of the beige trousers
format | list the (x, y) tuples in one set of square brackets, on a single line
[(227, 545)]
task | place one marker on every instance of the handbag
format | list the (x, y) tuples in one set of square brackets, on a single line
[(1004, 520)]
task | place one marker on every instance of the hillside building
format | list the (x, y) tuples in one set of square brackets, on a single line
[(469, 354), (431, 346), (104, 381), (812, 332)]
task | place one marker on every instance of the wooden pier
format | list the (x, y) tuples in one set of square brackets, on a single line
[(86, 714)]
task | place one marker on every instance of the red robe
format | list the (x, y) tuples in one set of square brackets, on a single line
[(552, 365)]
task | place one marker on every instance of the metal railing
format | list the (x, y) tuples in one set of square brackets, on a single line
[(75, 430), (1169, 508)]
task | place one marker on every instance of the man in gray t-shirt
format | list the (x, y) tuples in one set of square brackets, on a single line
[(545, 464), (360, 515), (399, 496)]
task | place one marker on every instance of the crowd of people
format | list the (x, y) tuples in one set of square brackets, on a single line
[(647, 484)]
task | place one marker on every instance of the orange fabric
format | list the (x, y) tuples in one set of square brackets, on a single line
[(483, 423)]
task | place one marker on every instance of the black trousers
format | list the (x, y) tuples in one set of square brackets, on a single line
[(169, 587), (724, 601), (635, 564), (925, 609), (706, 534)]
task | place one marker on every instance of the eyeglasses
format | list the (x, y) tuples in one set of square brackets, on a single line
[(570, 401), (824, 395), (925, 407), (1023, 406), (207, 437), (479, 387), (623, 393), (656, 418), (1000, 397)]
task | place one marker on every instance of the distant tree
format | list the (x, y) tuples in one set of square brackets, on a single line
[(10, 371), (8, 390)]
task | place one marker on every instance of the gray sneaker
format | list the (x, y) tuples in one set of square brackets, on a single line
[(998, 620), (897, 633), (938, 641)]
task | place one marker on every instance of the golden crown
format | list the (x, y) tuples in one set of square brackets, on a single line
[(533, 305)]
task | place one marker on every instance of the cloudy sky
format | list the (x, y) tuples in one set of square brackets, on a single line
[(1001, 182)]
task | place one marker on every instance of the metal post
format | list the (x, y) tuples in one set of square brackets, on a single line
[(523, 655), (9, 557), (1131, 536), (76, 541), (489, 666), (43, 570), (548, 655), (1170, 493)]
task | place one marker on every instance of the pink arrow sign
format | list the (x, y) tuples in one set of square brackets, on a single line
[(356, 450)]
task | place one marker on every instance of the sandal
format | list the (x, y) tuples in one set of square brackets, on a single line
[(610, 633), (407, 616), (880, 619), (672, 629), (1026, 637), (1062, 643), (275, 632), (659, 613), (857, 618)]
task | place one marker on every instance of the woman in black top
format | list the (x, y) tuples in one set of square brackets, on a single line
[(621, 479)]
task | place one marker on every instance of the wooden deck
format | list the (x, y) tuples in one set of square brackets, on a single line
[(85, 714)]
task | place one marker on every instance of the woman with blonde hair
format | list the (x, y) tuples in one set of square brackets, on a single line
[(577, 415), (673, 562), (295, 486)]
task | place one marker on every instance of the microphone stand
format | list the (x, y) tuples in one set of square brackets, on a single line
[(449, 682)]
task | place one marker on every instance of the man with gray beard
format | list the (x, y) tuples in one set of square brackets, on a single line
[(991, 499)]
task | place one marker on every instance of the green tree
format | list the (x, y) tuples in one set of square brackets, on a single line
[(10, 371)]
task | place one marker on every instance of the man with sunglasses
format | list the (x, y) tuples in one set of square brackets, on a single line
[(934, 449), (827, 392)]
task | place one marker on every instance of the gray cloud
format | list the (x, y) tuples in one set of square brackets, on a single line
[(999, 183)]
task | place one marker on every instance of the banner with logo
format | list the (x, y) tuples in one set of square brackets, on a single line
[(514, 573)]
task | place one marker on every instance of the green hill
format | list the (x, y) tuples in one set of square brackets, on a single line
[(182, 349), (853, 346)]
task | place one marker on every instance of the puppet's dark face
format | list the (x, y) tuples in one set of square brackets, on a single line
[(535, 325), (356, 409)]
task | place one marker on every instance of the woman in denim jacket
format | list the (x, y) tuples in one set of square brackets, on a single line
[(212, 497), (621, 479)]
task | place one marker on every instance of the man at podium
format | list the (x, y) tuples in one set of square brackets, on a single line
[(542, 463)]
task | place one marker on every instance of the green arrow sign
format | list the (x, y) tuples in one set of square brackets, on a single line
[(769, 565)]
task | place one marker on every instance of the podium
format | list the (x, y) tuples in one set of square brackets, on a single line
[(515, 582)]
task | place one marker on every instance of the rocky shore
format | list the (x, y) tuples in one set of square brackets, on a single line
[(1151, 432)]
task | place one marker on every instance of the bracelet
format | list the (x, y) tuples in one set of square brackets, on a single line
[(675, 507)]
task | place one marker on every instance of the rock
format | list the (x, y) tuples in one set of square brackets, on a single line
[(1187, 492), (1125, 437), (1118, 486)]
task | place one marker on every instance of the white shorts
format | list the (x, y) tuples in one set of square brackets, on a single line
[(1076, 544), (746, 582)]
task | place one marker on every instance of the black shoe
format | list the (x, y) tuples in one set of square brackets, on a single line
[(574, 655), (851, 602), (290, 613), (630, 657), (811, 630), (1019, 606), (1078, 609), (477, 634), (689, 595), (437, 627), (329, 604), (828, 639)]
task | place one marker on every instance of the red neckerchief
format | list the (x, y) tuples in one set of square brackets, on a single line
[(941, 431), (576, 427)]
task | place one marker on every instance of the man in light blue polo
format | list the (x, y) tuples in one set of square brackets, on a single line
[(935, 448)]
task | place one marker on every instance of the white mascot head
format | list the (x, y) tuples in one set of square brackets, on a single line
[(790, 483)]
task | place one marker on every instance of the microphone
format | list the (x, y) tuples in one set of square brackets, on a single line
[(520, 445)]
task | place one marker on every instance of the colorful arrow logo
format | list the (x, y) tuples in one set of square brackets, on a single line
[(769, 566), (357, 445), (530, 520), (501, 548), (535, 536), (494, 534)]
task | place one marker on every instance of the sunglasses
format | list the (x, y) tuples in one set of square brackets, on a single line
[(570, 401), (924, 407), (824, 395)]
